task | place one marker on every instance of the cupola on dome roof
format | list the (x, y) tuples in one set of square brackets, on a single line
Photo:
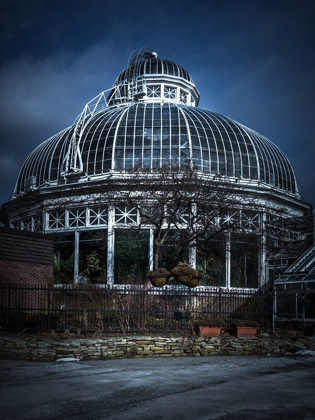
[(155, 66), (149, 119), (148, 77)]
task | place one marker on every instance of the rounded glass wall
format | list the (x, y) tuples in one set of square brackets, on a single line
[(150, 135)]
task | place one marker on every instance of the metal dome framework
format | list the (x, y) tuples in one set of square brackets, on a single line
[(148, 135), (148, 120)]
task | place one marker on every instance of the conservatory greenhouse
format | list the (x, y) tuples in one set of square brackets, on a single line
[(144, 178)]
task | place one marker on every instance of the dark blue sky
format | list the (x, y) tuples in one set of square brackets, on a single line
[(252, 60)]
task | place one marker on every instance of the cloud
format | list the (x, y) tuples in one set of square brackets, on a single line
[(43, 96), (275, 96)]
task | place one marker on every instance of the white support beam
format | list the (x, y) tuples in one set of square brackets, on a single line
[(228, 260), (110, 245), (193, 249), (193, 256), (263, 252), (151, 249), (76, 256)]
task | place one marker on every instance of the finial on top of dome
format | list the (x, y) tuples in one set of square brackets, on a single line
[(155, 54)]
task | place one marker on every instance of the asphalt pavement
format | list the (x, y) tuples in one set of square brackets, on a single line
[(160, 388)]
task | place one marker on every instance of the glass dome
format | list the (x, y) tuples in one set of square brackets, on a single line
[(149, 135), (155, 66)]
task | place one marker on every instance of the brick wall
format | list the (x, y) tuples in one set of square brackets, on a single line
[(26, 257), (16, 272)]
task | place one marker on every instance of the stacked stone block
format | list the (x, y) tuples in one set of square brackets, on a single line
[(135, 347)]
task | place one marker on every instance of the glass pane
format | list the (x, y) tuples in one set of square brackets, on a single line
[(170, 92), (98, 216), (64, 258), (310, 305), (131, 256), (244, 260), (93, 256), (211, 261), (170, 253), (56, 220)]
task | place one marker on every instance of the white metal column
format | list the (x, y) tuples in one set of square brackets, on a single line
[(151, 249), (263, 251), (45, 221), (76, 257), (228, 260), (193, 256), (193, 249), (110, 245)]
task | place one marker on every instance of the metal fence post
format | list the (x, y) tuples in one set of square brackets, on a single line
[(165, 309), (9, 304), (108, 302), (48, 309), (304, 307), (266, 308), (274, 308)]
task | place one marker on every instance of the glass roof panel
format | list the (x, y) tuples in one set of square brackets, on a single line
[(122, 137)]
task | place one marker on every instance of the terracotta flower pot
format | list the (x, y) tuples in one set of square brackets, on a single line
[(209, 331), (245, 331), (158, 282)]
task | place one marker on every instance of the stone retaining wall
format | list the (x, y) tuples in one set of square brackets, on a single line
[(110, 348)]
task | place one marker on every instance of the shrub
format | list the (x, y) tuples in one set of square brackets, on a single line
[(245, 323), (158, 273), (210, 322), (185, 270)]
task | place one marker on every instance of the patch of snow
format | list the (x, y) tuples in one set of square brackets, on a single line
[(306, 353), (69, 359), (301, 353)]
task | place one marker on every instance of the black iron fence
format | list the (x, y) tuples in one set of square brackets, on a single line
[(116, 309)]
